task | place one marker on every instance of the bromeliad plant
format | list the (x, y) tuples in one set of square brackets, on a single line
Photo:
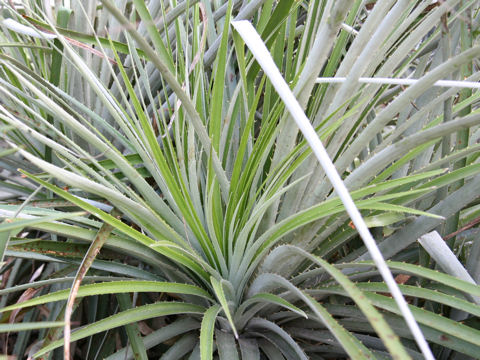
[(158, 160)]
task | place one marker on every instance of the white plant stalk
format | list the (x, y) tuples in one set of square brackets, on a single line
[(438, 249), (26, 30), (404, 82), (261, 54), (349, 29)]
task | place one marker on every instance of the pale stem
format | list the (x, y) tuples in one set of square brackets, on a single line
[(261, 54)]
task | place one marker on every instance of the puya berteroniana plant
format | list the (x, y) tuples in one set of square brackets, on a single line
[(169, 205)]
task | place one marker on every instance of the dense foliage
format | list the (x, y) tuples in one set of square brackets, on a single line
[(158, 200)]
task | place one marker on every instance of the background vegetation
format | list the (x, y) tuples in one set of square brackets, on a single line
[(166, 204)]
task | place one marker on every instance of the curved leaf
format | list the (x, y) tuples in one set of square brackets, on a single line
[(382, 328), (114, 287), (270, 299), (352, 345), (423, 272), (206, 332), (127, 317), (163, 334)]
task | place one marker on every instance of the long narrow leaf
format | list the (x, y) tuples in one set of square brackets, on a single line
[(127, 317), (206, 332), (114, 287)]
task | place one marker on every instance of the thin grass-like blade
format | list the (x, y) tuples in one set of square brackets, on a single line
[(177, 88)]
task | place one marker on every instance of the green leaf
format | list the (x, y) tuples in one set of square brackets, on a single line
[(426, 273), (435, 321), (178, 327), (16, 327), (126, 317), (278, 336), (147, 18), (219, 293), (118, 224), (226, 345), (350, 344), (382, 328), (60, 280), (63, 16), (114, 287), (395, 208), (133, 332), (18, 223), (181, 256), (85, 38), (206, 332), (270, 299), (4, 238), (177, 88), (216, 113), (249, 349), (408, 290)]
